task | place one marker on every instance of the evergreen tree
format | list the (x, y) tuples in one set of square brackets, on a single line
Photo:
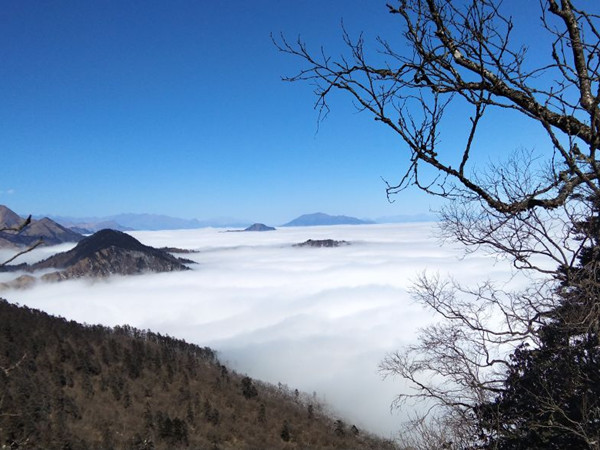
[(552, 391)]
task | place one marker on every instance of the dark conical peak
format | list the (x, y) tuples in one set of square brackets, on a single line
[(95, 243), (109, 252), (109, 238)]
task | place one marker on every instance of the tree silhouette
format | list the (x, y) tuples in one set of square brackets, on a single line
[(529, 207), (552, 392), (16, 230)]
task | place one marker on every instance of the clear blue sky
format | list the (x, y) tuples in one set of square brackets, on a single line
[(176, 107)]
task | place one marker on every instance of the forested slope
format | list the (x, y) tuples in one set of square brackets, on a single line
[(67, 385)]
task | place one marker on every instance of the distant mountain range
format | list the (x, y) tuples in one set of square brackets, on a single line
[(47, 230), (308, 220), (130, 222), (151, 222)]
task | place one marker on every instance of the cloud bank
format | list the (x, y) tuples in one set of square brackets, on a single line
[(317, 319)]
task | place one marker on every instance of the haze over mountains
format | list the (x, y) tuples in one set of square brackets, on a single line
[(154, 222), (112, 252), (148, 222)]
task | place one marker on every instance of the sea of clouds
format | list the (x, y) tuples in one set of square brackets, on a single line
[(316, 319)]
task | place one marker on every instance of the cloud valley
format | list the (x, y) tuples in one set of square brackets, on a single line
[(316, 319)]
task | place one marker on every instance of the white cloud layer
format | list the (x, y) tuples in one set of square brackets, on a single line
[(316, 319)]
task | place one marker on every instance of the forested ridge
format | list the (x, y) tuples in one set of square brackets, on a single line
[(72, 386)]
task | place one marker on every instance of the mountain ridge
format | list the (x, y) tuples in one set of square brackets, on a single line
[(155, 222), (146, 221), (319, 218), (9, 218), (50, 232)]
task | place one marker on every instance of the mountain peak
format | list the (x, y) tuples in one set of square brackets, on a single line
[(9, 218), (109, 252), (259, 227), (44, 229), (320, 218), (108, 238)]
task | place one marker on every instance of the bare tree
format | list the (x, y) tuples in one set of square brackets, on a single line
[(16, 230), (526, 208), (461, 53)]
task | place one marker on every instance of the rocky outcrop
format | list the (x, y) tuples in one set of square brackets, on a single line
[(322, 243)]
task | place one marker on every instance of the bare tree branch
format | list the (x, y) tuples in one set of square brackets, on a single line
[(16, 230), (525, 207)]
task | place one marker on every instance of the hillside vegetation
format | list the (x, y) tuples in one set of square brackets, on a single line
[(72, 386)]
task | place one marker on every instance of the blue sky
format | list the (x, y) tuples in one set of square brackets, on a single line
[(176, 107)]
